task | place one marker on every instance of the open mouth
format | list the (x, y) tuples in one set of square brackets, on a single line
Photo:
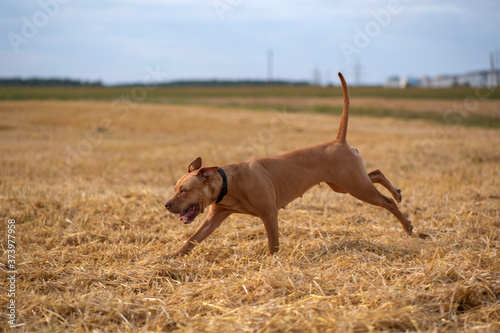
[(188, 215)]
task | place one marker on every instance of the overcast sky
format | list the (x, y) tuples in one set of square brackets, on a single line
[(124, 41)]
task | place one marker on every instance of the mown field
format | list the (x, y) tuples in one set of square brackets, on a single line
[(458, 105), (86, 181)]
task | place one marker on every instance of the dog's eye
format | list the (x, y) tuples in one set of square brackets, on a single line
[(182, 190)]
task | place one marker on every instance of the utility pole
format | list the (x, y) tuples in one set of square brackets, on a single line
[(316, 79), (328, 77), (357, 72), (269, 66), (494, 80)]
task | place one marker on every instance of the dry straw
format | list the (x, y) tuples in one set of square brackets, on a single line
[(91, 235)]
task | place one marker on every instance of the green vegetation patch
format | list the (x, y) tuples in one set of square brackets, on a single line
[(159, 93)]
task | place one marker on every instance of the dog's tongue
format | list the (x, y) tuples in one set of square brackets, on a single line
[(189, 215)]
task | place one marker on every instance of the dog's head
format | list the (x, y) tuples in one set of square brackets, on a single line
[(194, 191)]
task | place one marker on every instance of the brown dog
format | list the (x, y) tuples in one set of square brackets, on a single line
[(261, 187)]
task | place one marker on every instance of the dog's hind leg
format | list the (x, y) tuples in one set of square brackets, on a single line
[(377, 176), (363, 189)]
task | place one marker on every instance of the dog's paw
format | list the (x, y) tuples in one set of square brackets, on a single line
[(399, 198), (409, 231)]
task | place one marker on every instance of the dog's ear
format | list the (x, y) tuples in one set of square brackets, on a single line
[(207, 172), (195, 165)]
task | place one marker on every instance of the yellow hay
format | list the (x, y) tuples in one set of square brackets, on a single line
[(86, 183)]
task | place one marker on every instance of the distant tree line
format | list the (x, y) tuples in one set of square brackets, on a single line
[(56, 82), (50, 82), (227, 83)]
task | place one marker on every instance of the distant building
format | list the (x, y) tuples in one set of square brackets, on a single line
[(393, 82), (471, 79), (402, 82), (483, 78), (444, 81)]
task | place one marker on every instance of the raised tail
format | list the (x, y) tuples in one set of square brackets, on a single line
[(342, 133)]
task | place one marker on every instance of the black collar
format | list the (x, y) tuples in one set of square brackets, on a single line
[(223, 191)]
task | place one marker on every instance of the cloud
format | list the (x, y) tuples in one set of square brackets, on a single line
[(110, 38)]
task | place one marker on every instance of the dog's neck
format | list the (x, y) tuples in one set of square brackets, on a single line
[(223, 190)]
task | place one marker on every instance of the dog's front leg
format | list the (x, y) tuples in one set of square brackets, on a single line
[(215, 217), (271, 223)]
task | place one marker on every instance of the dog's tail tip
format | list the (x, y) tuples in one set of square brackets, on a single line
[(342, 133)]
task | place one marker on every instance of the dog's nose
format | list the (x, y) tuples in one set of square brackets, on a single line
[(167, 205)]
